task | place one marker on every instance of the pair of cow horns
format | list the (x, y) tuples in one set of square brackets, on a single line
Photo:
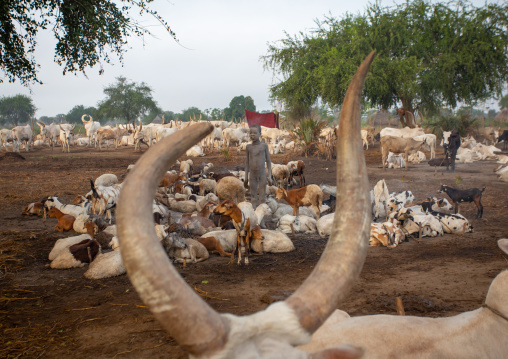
[(192, 322)]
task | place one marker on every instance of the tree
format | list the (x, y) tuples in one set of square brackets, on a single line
[(16, 109), (503, 103), (215, 114), (238, 105), (192, 113), (126, 101), (87, 33), (428, 55), (75, 114)]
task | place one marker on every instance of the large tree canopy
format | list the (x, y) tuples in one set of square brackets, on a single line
[(237, 107), (126, 101), (428, 55), (87, 31), (16, 109)]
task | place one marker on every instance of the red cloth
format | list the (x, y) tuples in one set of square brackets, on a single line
[(269, 119)]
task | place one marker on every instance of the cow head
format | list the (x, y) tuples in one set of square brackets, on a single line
[(275, 331)]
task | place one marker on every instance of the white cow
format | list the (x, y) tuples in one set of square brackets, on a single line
[(405, 132), (430, 140), (50, 132), (5, 137), (22, 134), (237, 135), (91, 127), (66, 135)]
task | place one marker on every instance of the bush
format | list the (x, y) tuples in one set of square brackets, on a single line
[(308, 131)]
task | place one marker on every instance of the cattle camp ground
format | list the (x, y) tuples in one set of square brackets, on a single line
[(51, 313)]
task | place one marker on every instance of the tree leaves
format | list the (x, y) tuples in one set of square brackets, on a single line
[(87, 33), (126, 101), (16, 109), (427, 55)]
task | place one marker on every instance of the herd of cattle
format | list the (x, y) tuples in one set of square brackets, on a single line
[(399, 147), (192, 218)]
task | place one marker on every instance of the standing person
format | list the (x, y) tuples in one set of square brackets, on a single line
[(453, 146), (257, 155)]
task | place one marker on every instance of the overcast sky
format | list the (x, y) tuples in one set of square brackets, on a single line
[(222, 42)]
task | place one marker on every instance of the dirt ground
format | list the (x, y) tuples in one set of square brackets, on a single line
[(49, 313)]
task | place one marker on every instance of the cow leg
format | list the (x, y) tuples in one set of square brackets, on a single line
[(456, 206)]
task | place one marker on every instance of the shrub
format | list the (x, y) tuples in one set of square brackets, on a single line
[(308, 132)]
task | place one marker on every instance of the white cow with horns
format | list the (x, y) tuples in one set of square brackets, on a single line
[(276, 331)]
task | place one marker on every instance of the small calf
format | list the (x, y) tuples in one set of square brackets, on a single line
[(65, 221), (469, 195)]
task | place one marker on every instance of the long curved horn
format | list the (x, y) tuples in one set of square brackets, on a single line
[(344, 255), (166, 293), (156, 280)]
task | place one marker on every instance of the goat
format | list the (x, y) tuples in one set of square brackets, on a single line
[(380, 194), (281, 175), (170, 179), (105, 197), (73, 210), (213, 245), (310, 195), (243, 219), (386, 234), (206, 186), (65, 221), (297, 168), (230, 188), (182, 249), (33, 209), (469, 195), (297, 224), (106, 265), (77, 255)]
